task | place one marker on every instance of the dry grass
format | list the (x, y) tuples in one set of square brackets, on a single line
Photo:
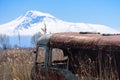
[(16, 64)]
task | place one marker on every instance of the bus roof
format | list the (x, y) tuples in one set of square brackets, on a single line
[(85, 40)]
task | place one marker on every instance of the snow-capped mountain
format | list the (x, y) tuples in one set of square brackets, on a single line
[(28, 24), (33, 21)]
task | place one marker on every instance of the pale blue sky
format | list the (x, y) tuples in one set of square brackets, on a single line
[(106, 12)]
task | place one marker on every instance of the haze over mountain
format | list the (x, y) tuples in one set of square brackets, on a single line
[(33, 21)]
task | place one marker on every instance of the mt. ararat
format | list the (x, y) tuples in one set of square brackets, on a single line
[(33, 21)]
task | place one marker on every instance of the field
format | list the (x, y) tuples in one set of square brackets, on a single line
[(16, 64)]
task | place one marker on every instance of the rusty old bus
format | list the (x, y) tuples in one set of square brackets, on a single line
[(87, 56)]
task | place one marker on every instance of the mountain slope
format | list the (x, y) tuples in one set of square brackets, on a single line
[(33, 21)]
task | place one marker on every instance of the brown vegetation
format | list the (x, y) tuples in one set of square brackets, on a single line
[(15, 64)]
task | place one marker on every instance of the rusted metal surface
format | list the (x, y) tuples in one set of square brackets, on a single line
[(92, 56), (85, 40)]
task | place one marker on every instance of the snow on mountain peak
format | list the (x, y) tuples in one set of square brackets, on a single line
[(33, 21), (33, 17), (34, 13)]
